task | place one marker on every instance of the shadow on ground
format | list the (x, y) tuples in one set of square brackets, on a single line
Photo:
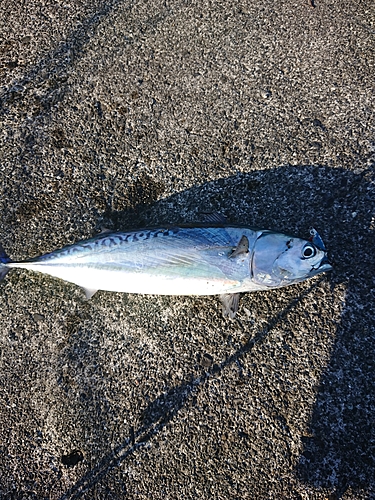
[(340, 450), (49, 74)]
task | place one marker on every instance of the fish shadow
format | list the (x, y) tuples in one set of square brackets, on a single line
[(340, 450)]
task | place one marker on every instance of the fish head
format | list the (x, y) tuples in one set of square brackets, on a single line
[(280, 260)]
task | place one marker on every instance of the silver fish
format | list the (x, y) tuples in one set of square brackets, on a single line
[(204, 260)]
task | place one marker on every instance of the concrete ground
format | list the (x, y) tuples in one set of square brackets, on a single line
[(128, 113)]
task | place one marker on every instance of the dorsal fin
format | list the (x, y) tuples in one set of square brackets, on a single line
[(213, 217)]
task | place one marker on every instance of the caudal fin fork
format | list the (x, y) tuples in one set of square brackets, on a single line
[(4, 259)]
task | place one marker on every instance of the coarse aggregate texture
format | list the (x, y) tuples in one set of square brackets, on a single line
[(137, 113)]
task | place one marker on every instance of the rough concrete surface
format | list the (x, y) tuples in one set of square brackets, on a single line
[(129, 113)]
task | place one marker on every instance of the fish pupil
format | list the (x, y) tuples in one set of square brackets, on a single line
[(308, 252)]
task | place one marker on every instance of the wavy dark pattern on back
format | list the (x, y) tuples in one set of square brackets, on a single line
[(112, 240)]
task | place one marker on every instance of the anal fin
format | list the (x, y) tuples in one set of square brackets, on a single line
[(230, 303)]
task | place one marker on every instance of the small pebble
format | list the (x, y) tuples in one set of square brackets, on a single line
[(266, 94), (207, 360), (38, 317)]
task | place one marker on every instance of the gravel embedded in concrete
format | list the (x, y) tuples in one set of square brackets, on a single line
[(121, 115)]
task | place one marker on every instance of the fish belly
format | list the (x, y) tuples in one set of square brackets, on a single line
[(117, 279)]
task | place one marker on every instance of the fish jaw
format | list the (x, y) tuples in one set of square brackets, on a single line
[(324, 266)]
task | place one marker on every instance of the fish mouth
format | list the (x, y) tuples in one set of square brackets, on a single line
[(325, 265)]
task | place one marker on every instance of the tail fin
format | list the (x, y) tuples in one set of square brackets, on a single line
[(4, 259)]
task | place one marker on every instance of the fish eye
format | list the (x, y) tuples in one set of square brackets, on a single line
[(308, 251)]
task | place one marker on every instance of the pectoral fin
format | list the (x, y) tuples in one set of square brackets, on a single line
[(89, 292), (230, 303), (242, 247)]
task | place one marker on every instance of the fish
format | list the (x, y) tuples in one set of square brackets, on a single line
[(207, 259)]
